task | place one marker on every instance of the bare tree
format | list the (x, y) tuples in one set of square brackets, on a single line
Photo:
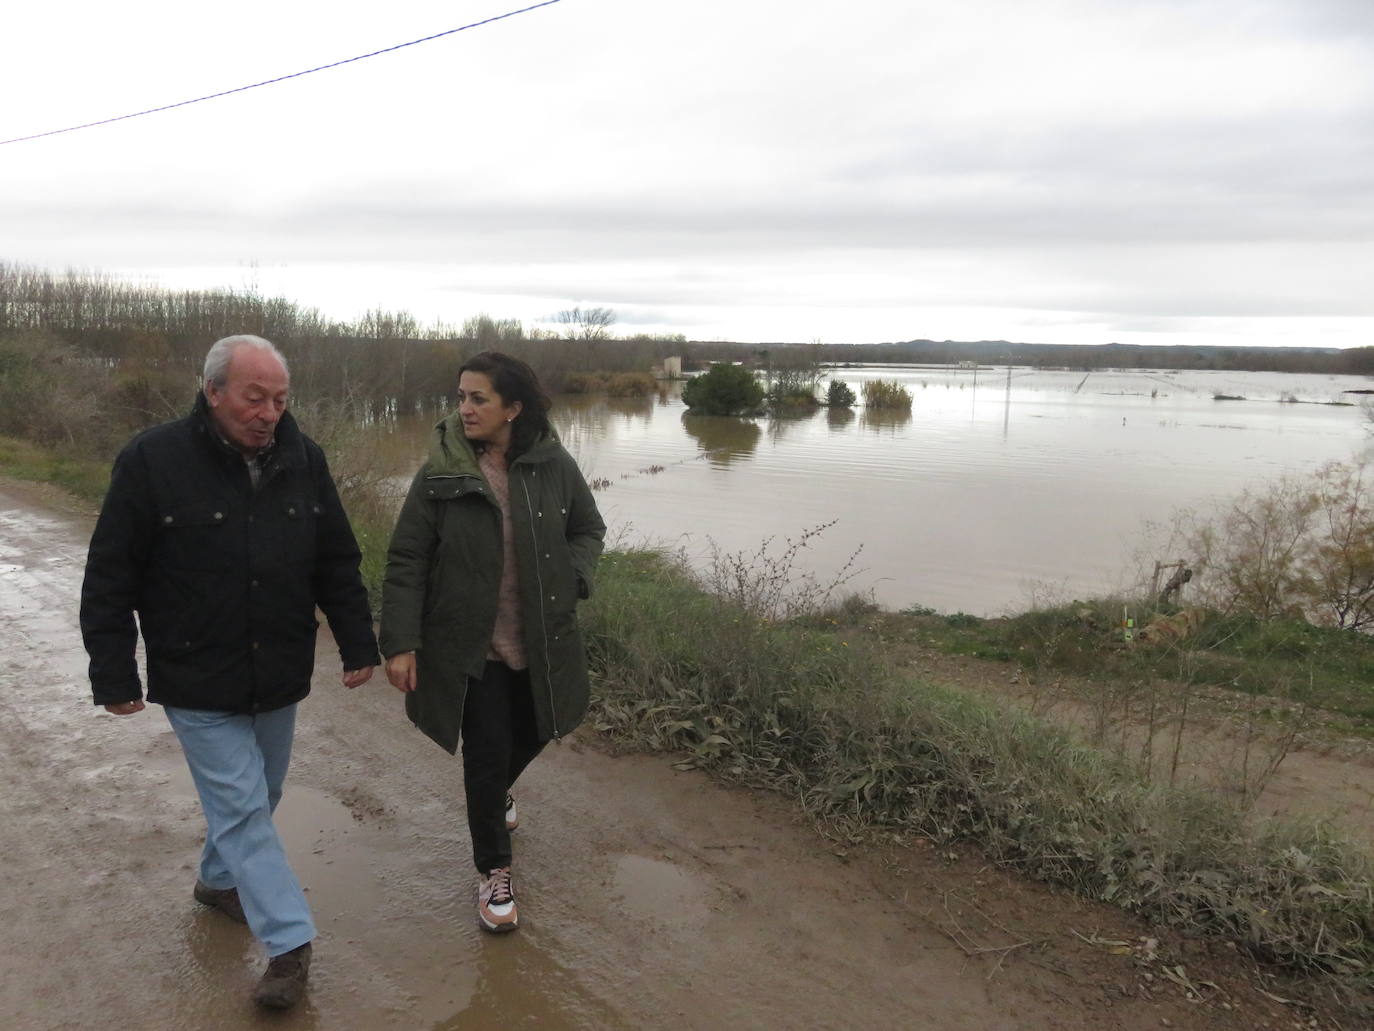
[(586, 323), (488, 332)]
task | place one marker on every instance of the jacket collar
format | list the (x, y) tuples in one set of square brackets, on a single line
[(452, 454), (287, 449)]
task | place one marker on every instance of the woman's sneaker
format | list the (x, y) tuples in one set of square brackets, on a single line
[(496, 901), (512, 817)]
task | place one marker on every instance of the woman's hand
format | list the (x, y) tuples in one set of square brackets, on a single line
[(400, 670)]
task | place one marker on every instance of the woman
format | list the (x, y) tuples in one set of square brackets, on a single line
[(496, 543)]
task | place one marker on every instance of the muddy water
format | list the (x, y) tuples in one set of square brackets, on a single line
[(992, 491)]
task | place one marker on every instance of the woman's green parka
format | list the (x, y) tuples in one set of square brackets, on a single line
[(443, 572)]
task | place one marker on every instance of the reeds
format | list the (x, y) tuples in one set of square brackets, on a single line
[(884, 393)]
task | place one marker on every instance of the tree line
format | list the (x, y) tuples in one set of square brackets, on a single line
[(86, 357), (1354, 361)]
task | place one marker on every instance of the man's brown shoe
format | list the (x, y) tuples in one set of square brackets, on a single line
[(226, 900), (283, 983)]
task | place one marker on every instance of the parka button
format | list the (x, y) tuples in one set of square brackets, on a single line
[(255, 646), (291, 510), (167, 519), (219, 515), (540, 514), (546, 554), (553, 597)]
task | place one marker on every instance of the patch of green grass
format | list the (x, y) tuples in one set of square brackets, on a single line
[(85, 477), (959, 633), (1322, 667), (373, 531)]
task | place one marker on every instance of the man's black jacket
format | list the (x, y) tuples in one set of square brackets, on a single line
[(224, 578)]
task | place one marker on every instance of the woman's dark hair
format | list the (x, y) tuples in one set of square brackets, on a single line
[(515, 381)]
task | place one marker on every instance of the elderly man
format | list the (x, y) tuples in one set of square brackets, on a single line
[(223, 531)]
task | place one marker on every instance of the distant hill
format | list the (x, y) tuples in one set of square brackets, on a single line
[(1357, 361)]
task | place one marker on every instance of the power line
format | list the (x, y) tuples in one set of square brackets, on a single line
[(280, 78)]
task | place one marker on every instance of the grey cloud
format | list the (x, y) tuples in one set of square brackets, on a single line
[(1311, 158)]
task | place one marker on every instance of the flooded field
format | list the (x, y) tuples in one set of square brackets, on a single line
[(999, 486)]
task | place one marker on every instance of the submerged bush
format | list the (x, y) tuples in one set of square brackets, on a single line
[(839, 395), (793, 388), (615, 384), (584, 382), (723, 390), (630, 384), (885, 393)]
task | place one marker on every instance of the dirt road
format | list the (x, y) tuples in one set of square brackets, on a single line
[(650, 898)]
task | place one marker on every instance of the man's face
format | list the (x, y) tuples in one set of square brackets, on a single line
[(246, 409)]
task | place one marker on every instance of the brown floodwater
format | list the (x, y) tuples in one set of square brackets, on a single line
[(1000, 487)]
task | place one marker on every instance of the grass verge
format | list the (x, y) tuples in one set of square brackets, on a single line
[(819, 715), (1286, 660), (84, 477)]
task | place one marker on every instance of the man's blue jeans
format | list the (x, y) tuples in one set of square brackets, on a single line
[(238, 763)]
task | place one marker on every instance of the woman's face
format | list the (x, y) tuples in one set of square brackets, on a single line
[(485, 414)]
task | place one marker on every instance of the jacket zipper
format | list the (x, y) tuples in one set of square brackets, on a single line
[(543, 619)]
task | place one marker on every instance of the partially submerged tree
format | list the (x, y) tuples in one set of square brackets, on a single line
[(839, 395), (723, 390)]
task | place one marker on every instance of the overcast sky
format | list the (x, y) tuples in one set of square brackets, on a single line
[(1072, 171)]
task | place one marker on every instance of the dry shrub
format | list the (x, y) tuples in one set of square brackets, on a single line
[(50, 394), (630, 384), (584, 382), (770, 585), (1298, 547)]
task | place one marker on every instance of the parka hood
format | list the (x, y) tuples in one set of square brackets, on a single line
[(452, 454)]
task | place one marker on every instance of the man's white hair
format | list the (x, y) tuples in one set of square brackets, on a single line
[(221, 353)]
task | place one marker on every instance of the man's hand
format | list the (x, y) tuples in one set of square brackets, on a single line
[(355, 677), (125, 708), (400, 670)]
